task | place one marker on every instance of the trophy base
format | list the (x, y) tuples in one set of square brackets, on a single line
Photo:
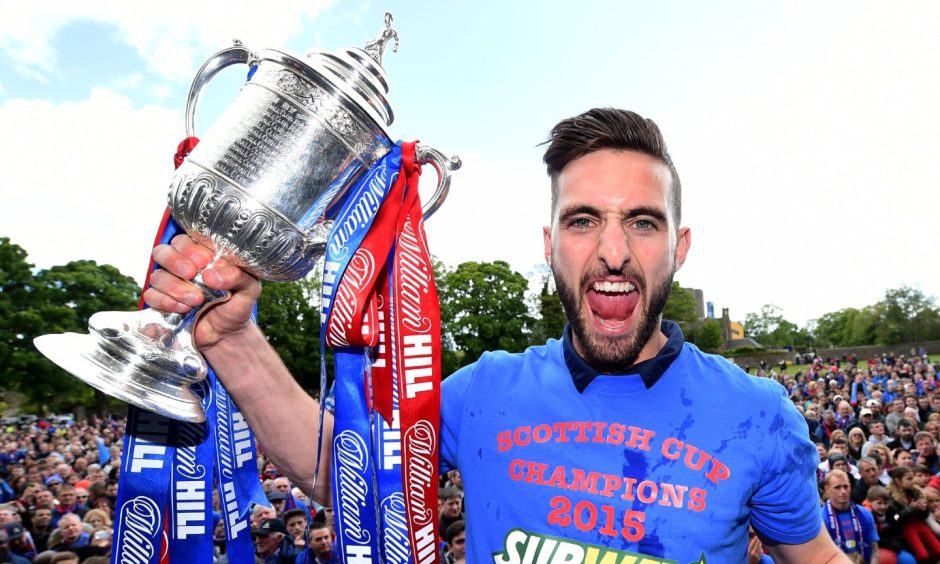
[(141, 357)]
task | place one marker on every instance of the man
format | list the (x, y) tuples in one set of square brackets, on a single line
[(895, 416), (272, 543), (295, 521), (455, 536), (320, 550), (620, 397), (871, 474), (68, 503), (277, 500), (850, 525), (19, 541), (877, 437), (905, 436), (449, 502), (5, 554), (41, 527), (71, 534)]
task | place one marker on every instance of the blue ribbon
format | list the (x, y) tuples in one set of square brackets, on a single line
[(355, 500), (167, 466)]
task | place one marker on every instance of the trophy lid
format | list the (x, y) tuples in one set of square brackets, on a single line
[(359, 73)]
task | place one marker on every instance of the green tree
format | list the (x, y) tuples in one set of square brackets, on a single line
[(906, 315), (550, 321), (289, 313), (680, 306), (770, 329), (483, 307), (707, 335), (19, 320)]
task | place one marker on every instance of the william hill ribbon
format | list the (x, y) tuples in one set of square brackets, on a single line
[(377, 292), (164, 507)]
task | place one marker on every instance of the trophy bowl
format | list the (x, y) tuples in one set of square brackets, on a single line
[(258, 189)]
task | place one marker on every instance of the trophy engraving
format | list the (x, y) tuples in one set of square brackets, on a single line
[(256, 189)]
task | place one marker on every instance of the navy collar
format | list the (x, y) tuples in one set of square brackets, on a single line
[(650, 370)]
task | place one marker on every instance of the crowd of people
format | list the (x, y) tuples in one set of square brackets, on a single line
[(59, 483), (876, 425)]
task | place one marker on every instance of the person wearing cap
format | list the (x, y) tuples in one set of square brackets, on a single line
[(5, 554), (18, 541), (278, 501), (273, 544)]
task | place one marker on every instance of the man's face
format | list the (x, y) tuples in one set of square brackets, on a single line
[(613, 249), (840, 465), (451, 507), (296, 526), (839, 447), (6, 516), (71, 528), (905, 431), (898, 405), (845, 410), (910, 401), (877, 428), (44, 499), (42, 517), (320, 541), (458, 545), (837, 489), (67, 497), (267, 544), (282, 485), (869, 473), (924, 445)]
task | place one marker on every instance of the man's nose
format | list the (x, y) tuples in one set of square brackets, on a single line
[(613, 248)]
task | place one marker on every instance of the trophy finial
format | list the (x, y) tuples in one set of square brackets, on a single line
[(376, 47)]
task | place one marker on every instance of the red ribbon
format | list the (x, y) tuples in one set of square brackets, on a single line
[(397, 235)]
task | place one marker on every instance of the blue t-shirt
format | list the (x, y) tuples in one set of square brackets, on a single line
[(672, 467)]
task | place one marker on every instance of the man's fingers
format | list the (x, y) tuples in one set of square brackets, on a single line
[(173, 288)]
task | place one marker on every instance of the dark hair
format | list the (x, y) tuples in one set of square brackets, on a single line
[(899, 472), (608, 128), (291, 513), (453, 530)]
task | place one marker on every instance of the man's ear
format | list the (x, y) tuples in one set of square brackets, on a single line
[(683, 242), (547, 238)]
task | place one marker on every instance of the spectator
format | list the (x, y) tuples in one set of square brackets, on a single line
[(850, 525), (296, 521), (65, 557), (278, 500), (41, 527), (71, 534), (902, 458), (5, 554), (905, 436), (876, 437), (449, 504), (856, 441), (871, 473), (456, 538), (272, 543), (908, 508), (98, 518), (891, 542), (895, 416), (321, 549)]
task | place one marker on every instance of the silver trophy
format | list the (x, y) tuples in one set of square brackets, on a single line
[(258, 189)]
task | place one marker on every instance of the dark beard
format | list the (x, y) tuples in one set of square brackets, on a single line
[(615, 356)]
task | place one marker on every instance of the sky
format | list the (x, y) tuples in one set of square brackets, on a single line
[(806, 134)]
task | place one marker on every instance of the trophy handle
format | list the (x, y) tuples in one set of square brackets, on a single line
[(235, 54), (425, 154)]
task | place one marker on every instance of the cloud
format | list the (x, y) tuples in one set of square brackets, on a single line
[(170, 36), (90, 178)]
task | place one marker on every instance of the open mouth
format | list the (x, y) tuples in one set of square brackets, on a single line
[(612, 304)]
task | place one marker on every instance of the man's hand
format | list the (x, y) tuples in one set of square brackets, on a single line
[(171, 289)]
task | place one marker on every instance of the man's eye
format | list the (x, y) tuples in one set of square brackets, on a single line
[(644, 224), (580, 222)]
